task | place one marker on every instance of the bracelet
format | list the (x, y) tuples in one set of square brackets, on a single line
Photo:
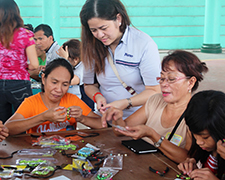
[(157, 144), (130, 103), (96, 95)]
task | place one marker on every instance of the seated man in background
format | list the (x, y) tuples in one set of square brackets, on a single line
[(43, 36)]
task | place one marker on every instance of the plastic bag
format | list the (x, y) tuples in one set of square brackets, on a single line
[(114, 162), (37, 152), (54, 140), (33, 162), (43, 169), (104, 173)]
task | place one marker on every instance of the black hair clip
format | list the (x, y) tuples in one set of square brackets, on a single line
[(159, 173)]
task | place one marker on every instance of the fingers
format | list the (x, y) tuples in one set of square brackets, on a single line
[(59, 113), (111, 113), (221, 149), (203, 174), (133, 132), (75, 111), (187, 166)]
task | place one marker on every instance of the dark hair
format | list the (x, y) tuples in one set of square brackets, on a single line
[(10, 20), (206, 111), (46, 28), (92, 48), (187, 63), (53, 65), (29, 27), (73, 48)]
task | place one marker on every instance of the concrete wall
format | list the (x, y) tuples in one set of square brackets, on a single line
[(173, 24)]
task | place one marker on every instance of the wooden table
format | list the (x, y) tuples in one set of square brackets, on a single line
[(135, 166)]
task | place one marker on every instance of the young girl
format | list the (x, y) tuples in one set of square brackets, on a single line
[(205, 117), (70, 50)]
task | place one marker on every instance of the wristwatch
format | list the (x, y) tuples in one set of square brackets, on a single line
[(129, 103), (157, 144)]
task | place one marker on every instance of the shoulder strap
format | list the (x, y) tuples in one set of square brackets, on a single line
[(176, 126), (128, 88)]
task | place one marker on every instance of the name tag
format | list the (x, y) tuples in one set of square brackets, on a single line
[(176, 139)]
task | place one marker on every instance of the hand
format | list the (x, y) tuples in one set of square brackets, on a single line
[(111, 114), (221, 148), (101, 103), (63, 53), (136, 132), (187, 166), (4, 132), (41, 68), (55, 115), (76, 112), (202, 174)]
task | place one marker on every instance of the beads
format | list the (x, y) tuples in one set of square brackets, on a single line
[(68, 113), (104, 175)]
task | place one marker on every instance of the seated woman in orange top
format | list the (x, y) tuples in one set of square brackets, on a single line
[(53, 109)]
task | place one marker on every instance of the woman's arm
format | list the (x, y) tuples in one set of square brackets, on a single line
[(138, 99), (18, 124), (170, 150), (32, 56), (91, 90), (75, 80), (92, 120)]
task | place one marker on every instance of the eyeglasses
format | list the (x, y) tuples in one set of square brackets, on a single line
[(170, 80)]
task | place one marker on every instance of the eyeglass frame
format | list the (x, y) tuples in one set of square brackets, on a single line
[(158, 79)]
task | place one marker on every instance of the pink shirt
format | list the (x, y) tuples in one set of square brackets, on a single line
[(13, 61)]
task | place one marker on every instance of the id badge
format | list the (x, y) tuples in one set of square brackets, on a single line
[(176, 139)]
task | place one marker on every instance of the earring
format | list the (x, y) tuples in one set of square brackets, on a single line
[(120, 24), (189, 90)]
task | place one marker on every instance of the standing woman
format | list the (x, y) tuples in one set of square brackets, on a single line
[(16, 45), (106, 35)]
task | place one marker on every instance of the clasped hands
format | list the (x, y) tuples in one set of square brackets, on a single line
[(60, 113)]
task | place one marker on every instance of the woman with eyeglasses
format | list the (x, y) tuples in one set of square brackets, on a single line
[(180, 76)]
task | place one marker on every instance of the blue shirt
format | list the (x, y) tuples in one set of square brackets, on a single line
[(138, 63)]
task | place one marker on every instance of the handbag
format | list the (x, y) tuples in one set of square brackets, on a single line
[(128, 88)]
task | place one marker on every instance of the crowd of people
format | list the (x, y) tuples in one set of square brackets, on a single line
[(112, 76)]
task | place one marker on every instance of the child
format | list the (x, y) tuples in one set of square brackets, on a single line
[(205, 117), (70, 50)]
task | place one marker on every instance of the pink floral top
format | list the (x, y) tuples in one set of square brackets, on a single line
[(13, 61)]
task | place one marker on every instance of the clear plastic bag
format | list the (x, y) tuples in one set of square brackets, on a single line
[(54, 140), (6, 174), (83, 166), (33, 162), (43, 169), (37, 152), (114, 162), (105, 173)]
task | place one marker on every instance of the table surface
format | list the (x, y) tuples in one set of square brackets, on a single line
[(135, 166)]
